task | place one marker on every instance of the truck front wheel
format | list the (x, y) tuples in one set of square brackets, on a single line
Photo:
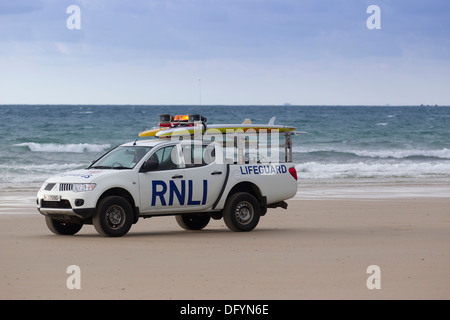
[(193, 221), (113, 217), (62, 227), (241, 212)]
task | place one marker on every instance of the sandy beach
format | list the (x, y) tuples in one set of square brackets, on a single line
[(316, 249)]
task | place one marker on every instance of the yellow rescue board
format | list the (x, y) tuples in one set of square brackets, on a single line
[(225, 128), (151, 132)]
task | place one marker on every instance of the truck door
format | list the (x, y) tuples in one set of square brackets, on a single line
[(164, 188), (204, 173), (188, 179)]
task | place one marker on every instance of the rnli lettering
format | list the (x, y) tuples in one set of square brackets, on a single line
[(160, 189), (263, 169)]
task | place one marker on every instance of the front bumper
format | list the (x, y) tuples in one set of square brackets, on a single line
[(70, 204), (79, 213)]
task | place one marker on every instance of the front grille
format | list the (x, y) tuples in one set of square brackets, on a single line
[(65, 186)]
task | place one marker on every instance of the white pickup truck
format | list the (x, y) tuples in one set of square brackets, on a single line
[(159, 177)]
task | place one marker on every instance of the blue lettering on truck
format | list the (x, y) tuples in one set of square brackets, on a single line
[(160, 189), (264, 169)]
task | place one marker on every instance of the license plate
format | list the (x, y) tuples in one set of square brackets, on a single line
[(51, 197)]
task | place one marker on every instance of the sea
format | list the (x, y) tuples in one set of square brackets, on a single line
[(344, 148)]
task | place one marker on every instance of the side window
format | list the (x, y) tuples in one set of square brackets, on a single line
[(198, 155), (166, 158), (209, 154)]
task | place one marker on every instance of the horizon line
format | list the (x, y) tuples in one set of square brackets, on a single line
[(227, 105)]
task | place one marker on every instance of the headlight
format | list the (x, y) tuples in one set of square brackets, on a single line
[(82, 187)]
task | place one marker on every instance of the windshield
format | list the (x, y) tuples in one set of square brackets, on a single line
[(121, 158)]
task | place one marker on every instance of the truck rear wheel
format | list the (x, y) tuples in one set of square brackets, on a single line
[(241, 212), (193, 221), (113, 217), (61, 227)]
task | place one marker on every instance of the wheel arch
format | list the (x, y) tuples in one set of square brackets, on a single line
[(121, 192), (253, 189)]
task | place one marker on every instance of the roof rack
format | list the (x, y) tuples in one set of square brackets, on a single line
[(241, 136)]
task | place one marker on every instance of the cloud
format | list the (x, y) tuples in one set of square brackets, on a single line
[(62, 48), (251, 29), (257, 49)]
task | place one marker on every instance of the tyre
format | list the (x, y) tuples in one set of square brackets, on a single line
[(113, 217), (241, 212), (193, 221), (62, 227)]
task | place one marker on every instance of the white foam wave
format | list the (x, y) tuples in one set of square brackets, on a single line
[(18, 173), (315, 170), (82, 112), (401, 154), (383, 154), (53, 147), (42, 167)]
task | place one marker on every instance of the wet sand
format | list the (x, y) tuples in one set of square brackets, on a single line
[(316, 249)]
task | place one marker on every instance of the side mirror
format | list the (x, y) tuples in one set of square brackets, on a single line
[(150, 165)]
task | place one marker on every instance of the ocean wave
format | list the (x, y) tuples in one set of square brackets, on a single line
[(315, 170), (53, 147), (381, 154), (42, 167), (22, 173), (402, 154)]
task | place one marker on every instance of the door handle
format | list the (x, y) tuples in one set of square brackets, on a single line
[(177, 176), (216, 172)]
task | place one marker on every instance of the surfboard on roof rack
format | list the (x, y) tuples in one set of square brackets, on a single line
[(224, 128), (182, 125), (185, 125)]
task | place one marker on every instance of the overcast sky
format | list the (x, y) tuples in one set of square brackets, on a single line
[(312, 52)]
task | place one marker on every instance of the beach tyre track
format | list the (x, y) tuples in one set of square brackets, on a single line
[(60, 227), (241, 212), (113, 217)]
